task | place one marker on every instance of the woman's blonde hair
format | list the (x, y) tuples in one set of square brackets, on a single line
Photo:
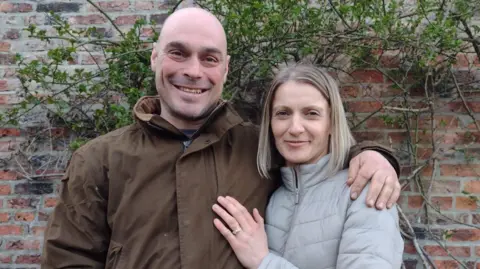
[(341, 138)]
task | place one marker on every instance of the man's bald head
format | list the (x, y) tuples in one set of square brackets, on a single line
[(194, 18), (191, 65)]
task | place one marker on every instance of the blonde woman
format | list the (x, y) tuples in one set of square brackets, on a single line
[(310, 222)]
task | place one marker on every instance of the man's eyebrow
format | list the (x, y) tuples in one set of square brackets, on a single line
[(176, 44)]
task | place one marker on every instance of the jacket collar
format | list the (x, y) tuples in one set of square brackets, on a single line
[(302, 177), (147, 112)]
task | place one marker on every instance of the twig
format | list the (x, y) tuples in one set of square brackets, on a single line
[(469, 111), (106, 16), (414, 110), (414, 238)]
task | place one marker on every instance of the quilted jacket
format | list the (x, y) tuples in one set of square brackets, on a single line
[(312, 223)]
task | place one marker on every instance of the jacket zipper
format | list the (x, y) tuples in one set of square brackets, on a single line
[(297, 191), (295, 208)]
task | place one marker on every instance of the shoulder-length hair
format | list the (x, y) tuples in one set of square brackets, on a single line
[(341, 139)]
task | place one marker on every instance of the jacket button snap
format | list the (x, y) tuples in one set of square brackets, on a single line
[(207, 142)]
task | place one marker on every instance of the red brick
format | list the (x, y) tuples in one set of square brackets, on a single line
[(25, 216), (8, 175), (424, 153), (349, 91), (127, 19), (466, 235), (379, 122), (5, 258), (370, 76), (5, 189), (28, 259), (22, 203), (38, 230), (23, 245), (409, 248), (96, 59), (144, 5), (7, 7), (444, 203), (373, 136), (461, 60), (111, 6), (446, 122), (7, 59), (389, 61), (4, 46), (415, 201), (10, 230), (88, 19), (50, 202), (9, 132), (440, 251), (43, 216), (447, 264), (3, 85), (460, 107), (12, 34), (4, 217), (445, 186), (466, 203), (460, 170), (472, 186), (363, 106), (4, 100), (477, 251), (475, 218)]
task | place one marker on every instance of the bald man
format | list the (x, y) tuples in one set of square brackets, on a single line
[(141, 196)]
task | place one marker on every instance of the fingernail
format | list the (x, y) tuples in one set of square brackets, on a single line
[(370, 203), (389, 206), (380, 205), (354, 195)]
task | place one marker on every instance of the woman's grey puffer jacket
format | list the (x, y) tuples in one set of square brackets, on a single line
[(312, 223)]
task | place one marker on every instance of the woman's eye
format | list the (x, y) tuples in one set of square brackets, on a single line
[(281, 113)]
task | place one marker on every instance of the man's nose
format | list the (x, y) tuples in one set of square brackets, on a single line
[(193, 70)]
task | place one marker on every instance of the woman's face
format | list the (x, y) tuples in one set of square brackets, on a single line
[(300, 123)]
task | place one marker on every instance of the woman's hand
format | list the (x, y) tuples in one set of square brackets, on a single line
[(246, 235)]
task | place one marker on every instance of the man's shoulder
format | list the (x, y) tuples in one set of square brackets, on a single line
[(102, 142)]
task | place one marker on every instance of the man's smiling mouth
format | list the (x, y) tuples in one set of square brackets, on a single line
[(191, 90)]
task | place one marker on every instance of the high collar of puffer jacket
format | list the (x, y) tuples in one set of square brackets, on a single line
[(306, 175), (147, 112)]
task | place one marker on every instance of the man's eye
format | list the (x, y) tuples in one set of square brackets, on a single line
[(176, 53), (211, 59)]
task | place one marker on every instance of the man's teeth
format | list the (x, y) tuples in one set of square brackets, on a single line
[(190, 90)]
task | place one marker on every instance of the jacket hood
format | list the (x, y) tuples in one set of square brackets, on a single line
[(147, 112)]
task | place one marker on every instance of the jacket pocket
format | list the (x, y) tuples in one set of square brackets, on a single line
[(114, 256)]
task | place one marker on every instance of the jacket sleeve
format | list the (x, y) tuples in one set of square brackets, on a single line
[(387, 152), (371, 238), (77, 233), (272, 261)]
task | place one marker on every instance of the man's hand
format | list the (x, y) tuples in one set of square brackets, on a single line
[(384, 188)]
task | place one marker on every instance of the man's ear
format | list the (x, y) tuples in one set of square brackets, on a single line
[(153, 57), (227, 62)]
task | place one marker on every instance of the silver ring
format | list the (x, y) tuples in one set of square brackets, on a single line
[(236, 231)]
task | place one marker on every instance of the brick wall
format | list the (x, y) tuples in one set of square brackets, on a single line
[(25, 204)]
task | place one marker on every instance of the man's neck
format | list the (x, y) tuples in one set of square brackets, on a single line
[(183, 124)]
